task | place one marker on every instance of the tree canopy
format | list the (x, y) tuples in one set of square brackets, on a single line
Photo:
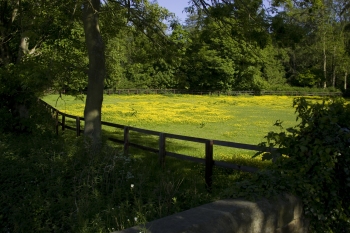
[(223, 45)]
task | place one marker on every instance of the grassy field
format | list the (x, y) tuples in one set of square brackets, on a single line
[(244, 119), (52, 183)]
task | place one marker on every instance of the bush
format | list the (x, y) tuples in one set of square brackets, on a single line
[(314, 158), (312, 162), (19, 92)]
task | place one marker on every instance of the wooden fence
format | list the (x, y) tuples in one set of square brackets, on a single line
[(218, 93), (208, 160)]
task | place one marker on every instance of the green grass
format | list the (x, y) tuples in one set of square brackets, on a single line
[(244, 119), (52, 184)]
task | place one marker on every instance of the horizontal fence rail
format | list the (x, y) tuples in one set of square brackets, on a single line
[(208, 160), (230, 93), (218, 93)]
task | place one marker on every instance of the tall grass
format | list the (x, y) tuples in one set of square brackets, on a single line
[(52, 184)]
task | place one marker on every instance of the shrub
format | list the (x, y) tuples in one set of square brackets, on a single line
[(314, 158), (20, 88), (312, 161)]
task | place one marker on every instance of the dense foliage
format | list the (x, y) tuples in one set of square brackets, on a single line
[(226, 45), (313, 162)]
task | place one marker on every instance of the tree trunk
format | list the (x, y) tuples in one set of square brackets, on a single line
[(334, 76), (345, 77), (4, 51), (23, 48), (324, 62), (97, 71), (5, 26), (334, 67)]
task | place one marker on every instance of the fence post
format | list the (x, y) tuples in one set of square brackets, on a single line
[(126, 140), (56, 122), (77, 122), (162, 150), (209, 163), (63, 122)]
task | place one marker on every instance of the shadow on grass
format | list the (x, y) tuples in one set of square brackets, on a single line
[(222, 178), (51, 183), (194, 149)]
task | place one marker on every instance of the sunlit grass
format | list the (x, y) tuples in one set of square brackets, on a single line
[(207, 113), (244, 119)]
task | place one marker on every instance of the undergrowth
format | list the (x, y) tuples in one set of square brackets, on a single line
[(51, 183)]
